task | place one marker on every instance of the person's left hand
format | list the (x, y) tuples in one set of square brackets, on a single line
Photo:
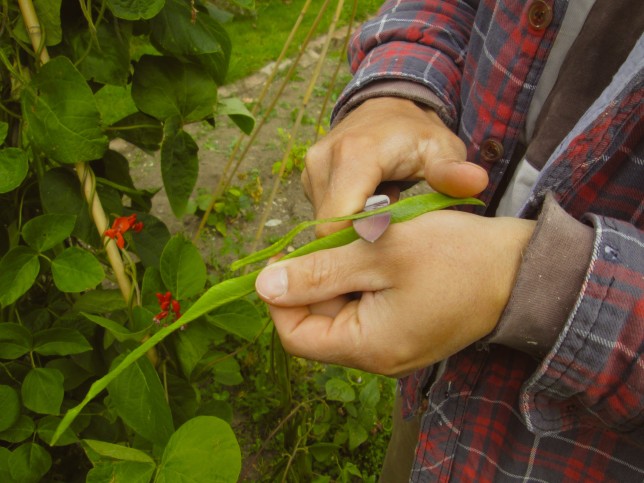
[(427, 288)]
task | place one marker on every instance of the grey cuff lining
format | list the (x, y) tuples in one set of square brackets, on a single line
[(394, 88), (548, 283)]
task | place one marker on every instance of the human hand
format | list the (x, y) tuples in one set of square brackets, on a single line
[(385, 139), (428, 287)]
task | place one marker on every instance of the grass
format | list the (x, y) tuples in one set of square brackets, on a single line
[(258, 38)]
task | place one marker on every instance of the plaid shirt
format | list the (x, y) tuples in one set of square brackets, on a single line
[(496, 414)]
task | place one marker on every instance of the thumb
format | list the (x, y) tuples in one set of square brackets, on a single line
[(447, 172), (318, 277)]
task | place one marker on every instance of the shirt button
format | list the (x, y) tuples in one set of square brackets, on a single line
[(491, 151), (539, 15)]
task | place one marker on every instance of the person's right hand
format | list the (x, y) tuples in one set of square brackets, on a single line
[(385, 139)]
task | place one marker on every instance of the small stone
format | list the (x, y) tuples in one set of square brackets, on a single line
[(273, 222)]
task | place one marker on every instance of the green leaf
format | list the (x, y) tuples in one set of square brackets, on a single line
[(357, 434), (15, 340), (135, 9), (238, 113), (14, 165), (370, 393), (46, 231), (60, 341), (138, 398), (100, 301), (339, 390), (74, 374), (60, 192), (42, 390), (9, 407), (179, 166), (191, 345), (165, 87), (46, 428), (149, 242), (203, 41), (20, 431), (182, 269), (5, 473), (59, 107), (240, 318), (148, 133), (29, 463), (18, 271), (119, 332), (117, 451), (323, 451), (76, 270), (48, 12), (117, 463), (203, 450), (121, 472), (227, 371), (115, 103), (104, 55)]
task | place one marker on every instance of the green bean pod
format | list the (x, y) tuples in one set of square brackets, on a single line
[(238, 287)]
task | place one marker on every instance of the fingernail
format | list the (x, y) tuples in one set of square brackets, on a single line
[(272, 282)]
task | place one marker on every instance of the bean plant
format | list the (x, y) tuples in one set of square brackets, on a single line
[(86, 272), (113, 333)]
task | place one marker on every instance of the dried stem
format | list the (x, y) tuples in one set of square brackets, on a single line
[(341, 61)]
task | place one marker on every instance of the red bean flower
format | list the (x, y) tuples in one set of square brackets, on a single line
[(121, 225), (167, 304)]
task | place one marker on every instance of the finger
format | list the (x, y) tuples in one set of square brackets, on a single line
[(337, 180), (322, 276), (317, 336)]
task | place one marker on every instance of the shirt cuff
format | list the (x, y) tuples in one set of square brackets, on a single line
[(548, 283), (395, 88)]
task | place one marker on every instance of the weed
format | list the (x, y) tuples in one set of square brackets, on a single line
[(296, 157), (235, 204)]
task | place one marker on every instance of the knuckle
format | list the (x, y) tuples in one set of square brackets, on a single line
[(321, 271), (348, 148), (315, 155)]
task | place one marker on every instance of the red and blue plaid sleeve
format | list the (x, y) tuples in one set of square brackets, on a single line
[(419, 41), (597, 364)]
